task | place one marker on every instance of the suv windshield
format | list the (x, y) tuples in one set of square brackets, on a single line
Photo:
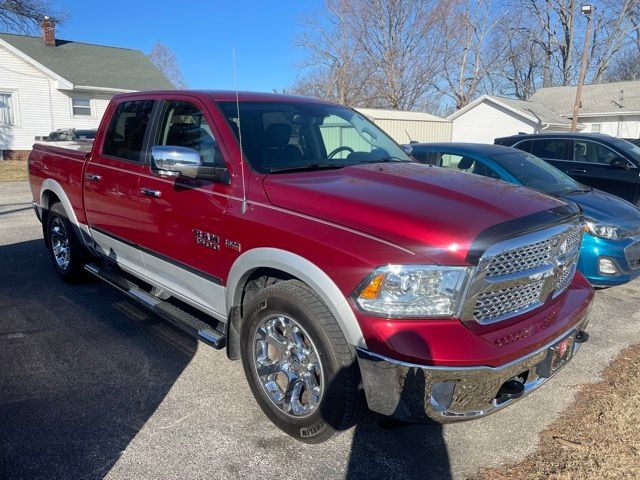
[(284, 136), (535, 173)]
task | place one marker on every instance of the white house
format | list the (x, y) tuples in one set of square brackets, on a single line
[(47, 84), (611, 108), (489, 117)]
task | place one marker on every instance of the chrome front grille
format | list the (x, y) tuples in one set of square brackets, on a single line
[(520, 259), (521, 274), (497, 303)]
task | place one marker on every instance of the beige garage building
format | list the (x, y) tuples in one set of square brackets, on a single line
[(405, 126)]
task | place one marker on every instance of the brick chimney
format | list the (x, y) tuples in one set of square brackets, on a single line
[(48, 32)]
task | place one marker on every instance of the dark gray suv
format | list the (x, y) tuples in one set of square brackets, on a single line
[(600, 161)]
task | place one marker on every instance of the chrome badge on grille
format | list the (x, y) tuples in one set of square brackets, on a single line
[(521, 274)]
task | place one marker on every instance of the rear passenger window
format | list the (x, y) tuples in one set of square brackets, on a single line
[(127, 128), (552, 149), (184, 125)]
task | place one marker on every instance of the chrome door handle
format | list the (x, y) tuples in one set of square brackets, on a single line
[(577, 170), (150, 193), (92, 177)]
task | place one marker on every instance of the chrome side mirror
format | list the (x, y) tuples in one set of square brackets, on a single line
[(172, 161)]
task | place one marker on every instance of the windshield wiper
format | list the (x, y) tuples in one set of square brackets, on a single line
[(577, 190), (386, 160), (307, 167)]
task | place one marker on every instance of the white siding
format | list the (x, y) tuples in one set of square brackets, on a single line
[(487, 121), (627, 126), (41, 107), (31, 89), (63, 113)]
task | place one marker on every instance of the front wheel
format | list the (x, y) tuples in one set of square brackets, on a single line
[(300, 368), (68, 255)]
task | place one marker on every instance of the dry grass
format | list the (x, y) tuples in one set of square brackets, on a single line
[(13, 171), (597, 438)]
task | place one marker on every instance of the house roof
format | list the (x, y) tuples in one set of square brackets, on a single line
[(533, 111), (380, 114), (84, 64), (613, 98)]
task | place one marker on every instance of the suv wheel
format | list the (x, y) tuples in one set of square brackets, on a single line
[(67, 253), (300, 368)]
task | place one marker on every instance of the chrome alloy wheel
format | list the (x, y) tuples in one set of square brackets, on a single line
[(60, 244), (288, 366)]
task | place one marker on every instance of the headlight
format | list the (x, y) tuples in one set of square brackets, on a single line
[(605, 231), (413, 291)]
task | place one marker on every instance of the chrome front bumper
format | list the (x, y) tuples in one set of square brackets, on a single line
[(414, 392)]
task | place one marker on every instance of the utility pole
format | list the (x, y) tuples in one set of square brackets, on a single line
[(587, 11)]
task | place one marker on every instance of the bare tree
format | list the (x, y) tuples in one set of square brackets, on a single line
[(625, 67), (616, 26), (23, 16), (469, 54), (377, 53), (525, 64), (334, 68), (165, 60), (399, 39)]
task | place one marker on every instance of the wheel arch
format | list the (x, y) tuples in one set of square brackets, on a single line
[(298, 267)]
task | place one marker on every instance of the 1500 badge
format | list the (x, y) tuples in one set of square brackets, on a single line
[(207, 239)]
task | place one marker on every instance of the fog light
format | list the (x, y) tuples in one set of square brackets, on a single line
[(607, 267), (442, 395)]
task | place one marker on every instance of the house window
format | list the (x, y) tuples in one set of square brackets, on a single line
[(81, 107), (7, 113), (595, 127)]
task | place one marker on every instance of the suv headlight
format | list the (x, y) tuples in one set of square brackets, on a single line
[(601, 230), (413, 291)]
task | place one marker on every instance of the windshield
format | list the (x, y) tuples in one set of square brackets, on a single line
[(627, 147), (281, 136), (535, 173)]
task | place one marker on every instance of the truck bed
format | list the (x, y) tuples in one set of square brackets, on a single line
[(60, 163)]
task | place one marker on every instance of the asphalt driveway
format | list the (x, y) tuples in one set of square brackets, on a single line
[(92, 386)]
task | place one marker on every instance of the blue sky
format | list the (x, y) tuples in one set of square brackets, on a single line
[(202, 34)]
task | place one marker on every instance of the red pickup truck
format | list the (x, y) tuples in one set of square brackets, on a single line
[(320, 254)]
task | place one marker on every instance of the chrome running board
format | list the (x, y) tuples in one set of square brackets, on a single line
[(182, 319)]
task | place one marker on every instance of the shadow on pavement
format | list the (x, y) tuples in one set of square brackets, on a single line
[(386, 448), (81, 369)]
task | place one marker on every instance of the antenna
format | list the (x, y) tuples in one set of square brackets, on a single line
[(242, 162), (409, 136)]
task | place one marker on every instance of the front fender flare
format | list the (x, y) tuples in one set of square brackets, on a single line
[(302, 269)]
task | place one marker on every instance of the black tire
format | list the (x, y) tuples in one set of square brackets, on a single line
[(73, 271), (342, 400)]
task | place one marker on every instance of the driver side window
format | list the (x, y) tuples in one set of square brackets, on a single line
[(592, 152), (184, 125)]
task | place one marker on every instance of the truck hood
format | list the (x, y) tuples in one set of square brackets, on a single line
[(429, 210)]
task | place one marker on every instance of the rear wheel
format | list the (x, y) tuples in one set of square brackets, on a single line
[(300, 368), (68, 255)]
